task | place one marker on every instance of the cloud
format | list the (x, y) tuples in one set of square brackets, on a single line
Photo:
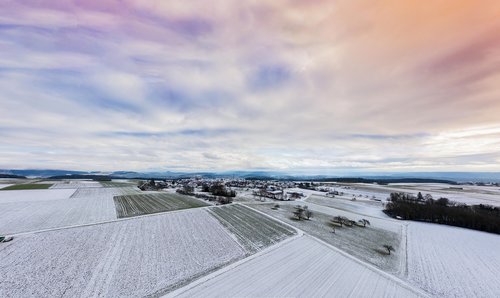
[(383, 137), (211, 156), (184, 132), (269, 76), (290, 85)]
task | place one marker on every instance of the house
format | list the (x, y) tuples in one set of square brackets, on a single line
[(275, 194)]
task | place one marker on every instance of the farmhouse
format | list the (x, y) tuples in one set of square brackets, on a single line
[(275, 194)]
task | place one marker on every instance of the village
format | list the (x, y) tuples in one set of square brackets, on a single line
[(272, 189)]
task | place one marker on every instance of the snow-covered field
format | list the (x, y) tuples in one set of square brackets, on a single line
[(148, 203), (86, 205), (105, 192), (34, 195), (75, 184), (128, 258), (384, 222), (302, 267), (152, 255), (359, 206), (453, 262), (469, 194), (365, 243), (252, 229), (443, 260)]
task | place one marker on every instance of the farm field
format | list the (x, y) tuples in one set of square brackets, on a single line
[(363, 243), (252, 229), (105, 192), (384, 222), (365, 207), (468, 195), (140, 204), (59, 208), (116, 183), (244, 195), (13, 196), (28, 186), (75, 184), (363, 190), (302, 267), (128, 258), (453, 262)]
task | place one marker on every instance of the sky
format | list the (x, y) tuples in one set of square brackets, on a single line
[(286, 85)]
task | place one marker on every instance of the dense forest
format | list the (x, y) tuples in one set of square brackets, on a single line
[(443, 211)]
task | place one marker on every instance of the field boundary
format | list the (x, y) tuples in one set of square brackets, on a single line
[(130, 205), (373, 268), (396, 279), (231, 266), (299, 231), (109, 221), (135, 217), (346, 210)]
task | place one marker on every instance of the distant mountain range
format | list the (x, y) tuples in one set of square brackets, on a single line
[(264, 175)]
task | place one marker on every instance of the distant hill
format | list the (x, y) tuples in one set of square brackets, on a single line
[(395, 177), (40, 173), (78, 176), (12, 176)]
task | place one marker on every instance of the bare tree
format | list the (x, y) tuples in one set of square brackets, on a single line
[(364, 222), (339, 220), (307, 213), (346, 221), (389, 248), (299, 212)]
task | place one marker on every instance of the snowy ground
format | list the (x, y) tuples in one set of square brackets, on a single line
[(307, 192), (154, 254), (453, 262), (252, 229), (244, 195), (470, 194), (363, 243), (382, 222), (359, 206), (75, 184), (86, 205), (34, 195), (148, 203), (442, 260), (128, 258), (302, 267)]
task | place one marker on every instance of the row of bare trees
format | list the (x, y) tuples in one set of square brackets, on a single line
[(303, 212), (342, 220)]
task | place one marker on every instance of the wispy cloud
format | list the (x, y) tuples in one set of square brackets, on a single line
[(387, 137), (184, 132), (288, 85)]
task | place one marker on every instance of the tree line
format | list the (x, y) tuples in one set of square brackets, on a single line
[(443, 211)]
